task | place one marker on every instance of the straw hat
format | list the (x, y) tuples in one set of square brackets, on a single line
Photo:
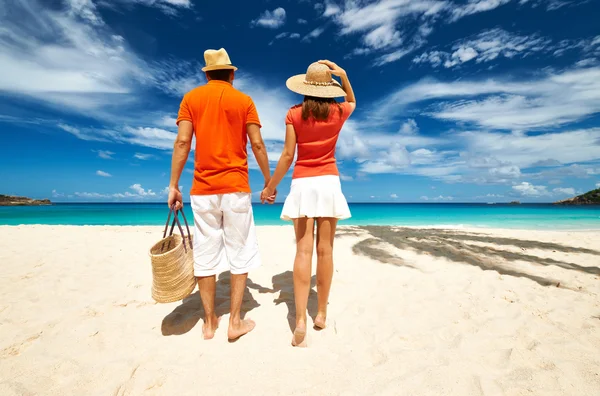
[(316, 82), (217, 60)]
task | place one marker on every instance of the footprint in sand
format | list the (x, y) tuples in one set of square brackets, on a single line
[(378, 357), (92, 312), (18, 348), (124, 388), (136, 303)]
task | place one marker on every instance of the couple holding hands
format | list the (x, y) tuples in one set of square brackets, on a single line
[(223, 119)]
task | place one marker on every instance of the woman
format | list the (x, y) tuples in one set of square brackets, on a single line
[(316, 193)]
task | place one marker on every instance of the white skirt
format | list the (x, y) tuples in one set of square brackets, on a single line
[(318, 196)]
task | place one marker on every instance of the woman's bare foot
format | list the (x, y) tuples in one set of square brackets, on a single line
[(237, 330), (210, 326), (321, 321), (299, 338)]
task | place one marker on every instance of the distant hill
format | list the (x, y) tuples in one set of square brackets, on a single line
[(9, 200), (589, 198)]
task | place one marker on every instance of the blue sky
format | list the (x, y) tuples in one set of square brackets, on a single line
[(458, 101)]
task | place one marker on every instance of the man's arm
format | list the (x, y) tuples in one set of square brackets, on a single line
[(259, 150), (181, 151)]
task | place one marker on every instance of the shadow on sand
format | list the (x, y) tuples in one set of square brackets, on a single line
[(458, 246), (188, 314), (284, 284)]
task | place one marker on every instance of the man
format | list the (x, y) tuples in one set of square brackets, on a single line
[(222, 119)]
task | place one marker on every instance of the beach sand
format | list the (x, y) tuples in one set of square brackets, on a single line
[(412, 312)]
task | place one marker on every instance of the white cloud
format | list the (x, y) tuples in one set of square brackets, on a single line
[(104, 154), (169, 7), (138, 194), (437, 199), (461, 55), (382, 37), (597, 185), (314, 34), (409, 127), (485, 47), (284, 35), (488, 196), (529, 190), (383, 24), (148, 137), (506, 172), (140, 136), (302, 21), (166, 122), (271, 19), (394, 196), (565, 191), (552, 5), (143, 157), (176, 77), (476, 6), (56, 194), (103, 174), (141, 191), (89, 195), (481, 157), (66, 58), (555, 99), (331, 9)]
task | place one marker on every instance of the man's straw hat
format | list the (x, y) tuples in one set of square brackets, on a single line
[(316, 82), (217, 60)]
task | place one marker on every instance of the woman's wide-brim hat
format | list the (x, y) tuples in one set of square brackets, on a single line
[(316, 82), (217, 60)]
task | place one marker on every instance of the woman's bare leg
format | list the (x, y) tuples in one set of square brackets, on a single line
[(325, 237), (304, 229)]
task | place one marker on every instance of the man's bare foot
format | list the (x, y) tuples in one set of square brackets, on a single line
[(210, 326), (243, 327), (320, 321), (299, 338)]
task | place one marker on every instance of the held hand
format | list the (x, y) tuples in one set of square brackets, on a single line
[(335, 69), (175, 198), (268, 195)]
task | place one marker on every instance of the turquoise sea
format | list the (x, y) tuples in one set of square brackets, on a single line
[(525, 216)]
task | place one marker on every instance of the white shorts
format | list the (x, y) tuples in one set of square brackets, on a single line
[(317, 196), (224, 234)]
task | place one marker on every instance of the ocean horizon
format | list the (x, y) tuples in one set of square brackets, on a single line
[(522, 216)]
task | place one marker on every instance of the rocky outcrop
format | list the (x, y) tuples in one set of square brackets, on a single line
[(9, 200), (589, 198)]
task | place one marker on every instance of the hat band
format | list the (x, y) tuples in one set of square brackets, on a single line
[(322, 84)]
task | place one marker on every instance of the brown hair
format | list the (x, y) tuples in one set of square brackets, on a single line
[(221, 75), (318, 108)]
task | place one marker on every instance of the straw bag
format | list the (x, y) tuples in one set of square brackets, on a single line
[(173, 263)]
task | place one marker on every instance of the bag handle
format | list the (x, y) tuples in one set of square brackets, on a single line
[(174, 211)]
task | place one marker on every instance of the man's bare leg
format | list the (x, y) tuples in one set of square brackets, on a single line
[(237, 326), (208, 287)]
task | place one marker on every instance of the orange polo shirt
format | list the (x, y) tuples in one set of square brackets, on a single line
[(219, 114), (316, 140)]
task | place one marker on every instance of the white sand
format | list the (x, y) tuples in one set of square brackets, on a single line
[(76, 318)]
